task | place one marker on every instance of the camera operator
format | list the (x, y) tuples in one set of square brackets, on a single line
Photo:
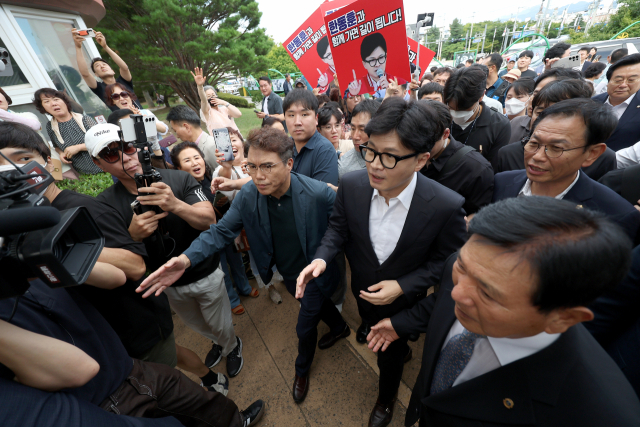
[(144, 326), (200, 299)]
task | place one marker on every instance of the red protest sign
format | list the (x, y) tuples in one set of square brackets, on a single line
[(330, 6), (309, 49), (426, 55), (366, 39)]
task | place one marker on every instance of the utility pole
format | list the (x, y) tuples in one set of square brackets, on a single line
[(494, 37), (484, 36)]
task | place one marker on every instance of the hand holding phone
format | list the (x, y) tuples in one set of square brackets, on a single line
[(86, 33), (223, 143)]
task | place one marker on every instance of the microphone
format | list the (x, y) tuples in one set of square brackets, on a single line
[(22, 220), (380, 73)]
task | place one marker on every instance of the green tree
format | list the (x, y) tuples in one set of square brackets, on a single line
[(279, 59), (163, 40), (433, 33), (456, 29)]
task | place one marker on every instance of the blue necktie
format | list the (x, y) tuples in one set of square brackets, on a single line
[(453, 359)]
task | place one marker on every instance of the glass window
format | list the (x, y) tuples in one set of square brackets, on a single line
[(53, 44), (12, 75)]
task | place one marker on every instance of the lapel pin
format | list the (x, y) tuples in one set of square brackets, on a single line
[(508, 403), (578, 206)]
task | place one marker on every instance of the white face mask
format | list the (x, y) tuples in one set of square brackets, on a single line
[(514, 106), (461, 117)]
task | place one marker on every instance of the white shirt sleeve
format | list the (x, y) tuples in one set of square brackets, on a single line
[(229, 194), (628, 156)]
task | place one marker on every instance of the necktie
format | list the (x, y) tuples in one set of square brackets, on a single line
[(453, 359)]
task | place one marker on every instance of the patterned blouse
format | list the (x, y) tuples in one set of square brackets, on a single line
[(73, 135)]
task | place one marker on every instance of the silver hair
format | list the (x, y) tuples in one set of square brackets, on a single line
[(207, 87)]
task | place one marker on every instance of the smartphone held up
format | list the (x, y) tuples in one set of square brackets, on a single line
[(223, 143)]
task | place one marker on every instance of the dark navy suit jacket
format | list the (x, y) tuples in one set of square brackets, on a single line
[(587, 193), (627, 132)]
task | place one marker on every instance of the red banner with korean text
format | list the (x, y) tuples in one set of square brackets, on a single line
[(367, 39), (309, 49), (426, 55), (331, 6)]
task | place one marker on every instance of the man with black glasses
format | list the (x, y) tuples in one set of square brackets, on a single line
[(285, 215), (568, 136), (396, 227)]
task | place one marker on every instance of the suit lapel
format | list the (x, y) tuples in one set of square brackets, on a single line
[(513, 188), (632, 110), (581, 192), (418, 217), (363, 193), (300, 207), (263, 214)]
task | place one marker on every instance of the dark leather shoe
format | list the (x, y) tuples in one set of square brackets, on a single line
[(408, 356), (329, 340), (300, 388), (362, 332), (381, 414)]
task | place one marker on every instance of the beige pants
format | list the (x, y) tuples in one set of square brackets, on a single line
[(204, 307)]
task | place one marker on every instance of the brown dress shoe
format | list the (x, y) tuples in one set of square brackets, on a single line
[(300, 388), (329, 340), (381, 414)]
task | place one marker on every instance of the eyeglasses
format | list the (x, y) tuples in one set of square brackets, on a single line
[(619, 80), (379, 60), (551, 152), (329, 128), (266, 169), (328, 56), (116, 96), (388, 161), (110, 154)]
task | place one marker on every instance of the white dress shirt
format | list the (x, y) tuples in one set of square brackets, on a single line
[(619, 109), (629, 156), (526, 189), (387, 221), (492, 353)]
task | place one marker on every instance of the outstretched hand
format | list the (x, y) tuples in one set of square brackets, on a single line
[(164, 277), (198, 76), (381, 335), (355, 86), (310, 272)]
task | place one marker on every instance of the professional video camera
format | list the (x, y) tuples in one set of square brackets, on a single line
[(38, 240), (138, 130)]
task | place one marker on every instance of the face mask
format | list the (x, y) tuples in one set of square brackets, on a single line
[(514, 106), (461, 117)]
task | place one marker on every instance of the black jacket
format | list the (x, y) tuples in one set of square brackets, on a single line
[(511, 158), (627, 132), (434, 229), (471, 176), (587, 193), (491, 132), (572, 382)]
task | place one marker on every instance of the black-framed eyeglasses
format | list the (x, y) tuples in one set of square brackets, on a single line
[(379, 60), (388, 160), (110, 154), (266, 169), (328, 56), (551, 152)]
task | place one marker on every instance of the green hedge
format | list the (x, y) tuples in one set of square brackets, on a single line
[(237, 101), (91, 185)]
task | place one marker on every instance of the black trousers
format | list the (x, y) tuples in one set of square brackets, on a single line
[(391, 365), (314, 307)]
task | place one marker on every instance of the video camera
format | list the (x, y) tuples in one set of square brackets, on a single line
[(138, 131), (60, 247)]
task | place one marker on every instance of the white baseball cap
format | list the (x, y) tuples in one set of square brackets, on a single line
[(99, 137)]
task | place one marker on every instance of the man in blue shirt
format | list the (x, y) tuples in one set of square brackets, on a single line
[(313, 155), (496, 87)]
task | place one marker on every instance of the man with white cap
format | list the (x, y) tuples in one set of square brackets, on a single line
[(199, 297)]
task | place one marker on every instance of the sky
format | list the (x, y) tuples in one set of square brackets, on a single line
[(281, 17)]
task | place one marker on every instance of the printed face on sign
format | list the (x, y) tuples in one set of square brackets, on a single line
[(324, 51), (377, 60)]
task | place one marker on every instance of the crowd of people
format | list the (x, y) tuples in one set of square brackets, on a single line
[(495, 210)]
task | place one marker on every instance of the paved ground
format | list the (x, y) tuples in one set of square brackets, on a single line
[(343, 380)]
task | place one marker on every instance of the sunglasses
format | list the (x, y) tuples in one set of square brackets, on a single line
[(110, 154), (116, 96)]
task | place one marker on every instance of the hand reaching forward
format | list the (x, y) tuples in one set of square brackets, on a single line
[(355, 86), (382, 293), (165, 276), (381, 335), (310, 272)]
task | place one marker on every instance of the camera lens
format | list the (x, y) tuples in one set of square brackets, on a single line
[(4, 54)]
